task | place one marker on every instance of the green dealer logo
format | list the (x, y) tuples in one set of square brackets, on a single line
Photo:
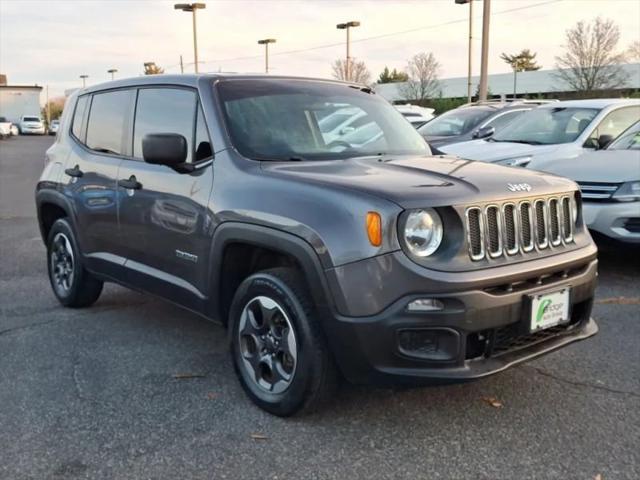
[(542, 308)]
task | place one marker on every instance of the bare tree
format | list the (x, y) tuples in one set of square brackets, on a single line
[(590, 61), (423, 83), (358, 71), (633, 52)]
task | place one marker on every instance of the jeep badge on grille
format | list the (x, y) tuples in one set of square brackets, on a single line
[(519, 187)]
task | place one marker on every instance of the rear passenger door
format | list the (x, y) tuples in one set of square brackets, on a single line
[(164, 225), (99, 132)]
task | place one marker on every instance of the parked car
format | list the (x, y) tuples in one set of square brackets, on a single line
[(54, 126), (415, 114), (473, 120), (31, 124), (553, 133), (219, 193), (610, 183), (5, 128)]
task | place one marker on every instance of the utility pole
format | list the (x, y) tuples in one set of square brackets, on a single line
[(181, 65), (347, 26), (84, 80), (48, 110), (192, 7), (484, 62), (469, 86), (266, 43)]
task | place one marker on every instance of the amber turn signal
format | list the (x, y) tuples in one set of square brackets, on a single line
[(374, 228)]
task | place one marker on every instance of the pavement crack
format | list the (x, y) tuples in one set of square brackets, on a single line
[(27, 327), (577, 383)]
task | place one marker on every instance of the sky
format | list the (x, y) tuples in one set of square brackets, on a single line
[(53, 42)]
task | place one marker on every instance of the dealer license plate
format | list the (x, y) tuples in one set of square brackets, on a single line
[(549, 309)]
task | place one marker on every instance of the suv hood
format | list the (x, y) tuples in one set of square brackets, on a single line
[(602, 166), (413, 182), (488, 151)]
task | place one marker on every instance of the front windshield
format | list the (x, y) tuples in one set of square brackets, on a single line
[(455, 122), (275, 119), (547, 126), (629, 140)]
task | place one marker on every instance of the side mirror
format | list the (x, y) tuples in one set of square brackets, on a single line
[(604, 140), (484, 132), (168, 149)]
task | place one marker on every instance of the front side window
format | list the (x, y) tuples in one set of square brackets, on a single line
[(617, 122), (547, 126), (164, 110), (108, 120), (284, 119), (203, 143), (629, 140), (78, 116), (455, 122)]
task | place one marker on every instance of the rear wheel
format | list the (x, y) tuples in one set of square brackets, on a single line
[(72, 285), (278, 348)]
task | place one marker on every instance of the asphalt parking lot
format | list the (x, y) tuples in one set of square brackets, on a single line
[(137, 388)]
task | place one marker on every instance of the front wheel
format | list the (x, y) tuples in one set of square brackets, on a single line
[(72, 285), (278, 348)]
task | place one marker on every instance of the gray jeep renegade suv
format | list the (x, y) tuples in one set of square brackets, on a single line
[(366, 258)]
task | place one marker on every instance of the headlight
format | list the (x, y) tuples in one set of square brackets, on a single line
[(515, 162), (423, 232), (628, 192)]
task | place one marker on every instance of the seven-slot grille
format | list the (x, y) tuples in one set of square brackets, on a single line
[(510, 228)]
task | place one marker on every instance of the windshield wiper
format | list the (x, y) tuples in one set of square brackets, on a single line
[(526, 142)]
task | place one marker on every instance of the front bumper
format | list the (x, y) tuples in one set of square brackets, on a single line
[(479, 331), (614, 219)]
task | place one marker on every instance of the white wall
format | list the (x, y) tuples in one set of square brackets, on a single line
[(17, 102)]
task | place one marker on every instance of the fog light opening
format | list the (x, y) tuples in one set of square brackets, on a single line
[(425, 305)]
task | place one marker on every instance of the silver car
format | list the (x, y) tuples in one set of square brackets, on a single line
[(553, 134), (610, 183)]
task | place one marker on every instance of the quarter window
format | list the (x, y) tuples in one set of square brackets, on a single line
[(108, 120), (164, 110), (78, 116)]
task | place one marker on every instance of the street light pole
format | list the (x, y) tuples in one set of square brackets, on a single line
[(84, 80), (112, 71), (266, 43), (347, 26), (484, 62), (469, 87), (192, 7)]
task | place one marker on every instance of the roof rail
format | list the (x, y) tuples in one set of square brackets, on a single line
[(510, 101)]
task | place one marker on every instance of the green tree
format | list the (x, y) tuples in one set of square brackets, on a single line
[(150, 68), (392, 77), (525, 61)]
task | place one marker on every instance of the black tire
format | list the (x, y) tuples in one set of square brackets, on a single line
[(314, 376), (72, 285)]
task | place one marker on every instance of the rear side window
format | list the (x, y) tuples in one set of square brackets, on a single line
[(164, 110), (78, 116), (108, 120)]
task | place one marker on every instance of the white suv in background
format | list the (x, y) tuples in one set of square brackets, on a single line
[(557, 132), (31, 124), (415, 114)]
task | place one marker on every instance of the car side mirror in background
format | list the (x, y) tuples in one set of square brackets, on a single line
[(347, 130), (484, 132), (168, 149), (604, 140)]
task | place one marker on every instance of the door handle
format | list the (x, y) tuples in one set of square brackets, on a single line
[(130, 183), (74, 172)]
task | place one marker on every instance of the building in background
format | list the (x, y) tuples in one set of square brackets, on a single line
[(543, 83), (18, 100)]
